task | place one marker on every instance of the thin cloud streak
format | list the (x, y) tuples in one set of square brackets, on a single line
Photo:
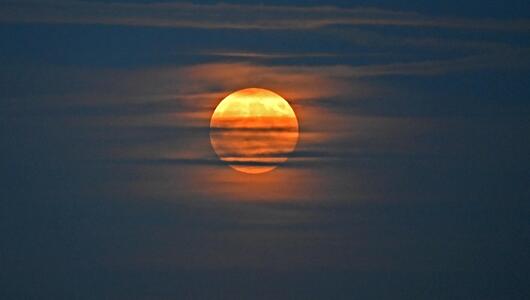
[(333, 80), (192, 90), (231, 16), (263, 55)]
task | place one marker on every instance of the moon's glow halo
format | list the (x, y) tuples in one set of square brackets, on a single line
[(253, 130)]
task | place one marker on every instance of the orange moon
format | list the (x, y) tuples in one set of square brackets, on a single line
[(253, 130)]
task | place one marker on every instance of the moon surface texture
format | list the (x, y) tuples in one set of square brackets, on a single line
[(253, 130)]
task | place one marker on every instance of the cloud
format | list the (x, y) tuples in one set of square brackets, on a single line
[(302, 82), (189, 93), (263, 55), (231, 16), (160, 115)]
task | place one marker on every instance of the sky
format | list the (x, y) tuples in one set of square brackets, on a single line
[(409, 180)]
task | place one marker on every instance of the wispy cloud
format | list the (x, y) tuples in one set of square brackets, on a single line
[(161, 114), (190, 91), (264, 55), (324, 81), (232, 16)]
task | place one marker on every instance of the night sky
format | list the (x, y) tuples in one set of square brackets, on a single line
[(410, 180)]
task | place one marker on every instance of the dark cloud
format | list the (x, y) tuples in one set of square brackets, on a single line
[(409, 179), (233, 16)]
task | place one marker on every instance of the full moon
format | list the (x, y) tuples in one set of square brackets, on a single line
[(253, 130)]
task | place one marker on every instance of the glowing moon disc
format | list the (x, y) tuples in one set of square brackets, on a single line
[(253, 130)]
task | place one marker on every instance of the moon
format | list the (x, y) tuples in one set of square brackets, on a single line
[(253, 130)]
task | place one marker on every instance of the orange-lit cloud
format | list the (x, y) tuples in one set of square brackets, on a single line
[(161, 115)]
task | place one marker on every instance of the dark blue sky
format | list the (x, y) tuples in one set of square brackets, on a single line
[(410, 179)]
